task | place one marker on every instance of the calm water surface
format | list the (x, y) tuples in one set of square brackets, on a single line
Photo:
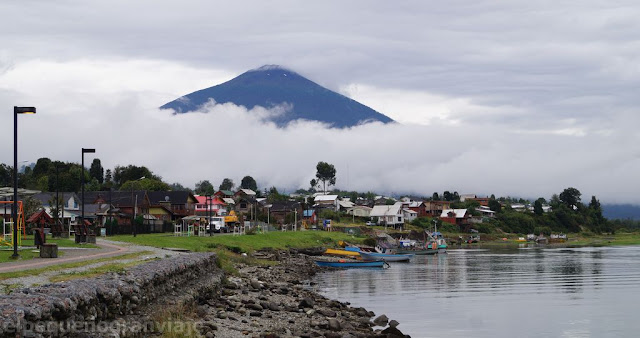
[(527, 292)]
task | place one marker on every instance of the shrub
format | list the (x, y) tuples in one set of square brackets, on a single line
[(369, 242)]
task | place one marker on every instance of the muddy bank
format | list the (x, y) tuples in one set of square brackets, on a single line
[(276, 301)]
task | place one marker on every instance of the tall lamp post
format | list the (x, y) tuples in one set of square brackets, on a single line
[(14, 211), (134, 207), (84, 151)]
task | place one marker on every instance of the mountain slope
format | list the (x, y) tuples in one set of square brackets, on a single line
[(269, 86)]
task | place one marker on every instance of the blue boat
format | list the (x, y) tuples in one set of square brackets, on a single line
[(376, 256), (351, 264)]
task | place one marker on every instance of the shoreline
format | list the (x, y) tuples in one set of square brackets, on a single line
[(277, 301)]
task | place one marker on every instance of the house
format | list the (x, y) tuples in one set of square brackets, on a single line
[(285, 212), (435, 208), (345, 204), (486, 212), (310, 216), (69, 209), (224, 194), (455, 216), (248, 193), (419, 207), (327, 202), (359, 211), (409, 215), (389, 215), (215, 205), (180, 203)]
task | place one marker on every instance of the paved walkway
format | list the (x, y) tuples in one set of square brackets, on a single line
[(71, 255)]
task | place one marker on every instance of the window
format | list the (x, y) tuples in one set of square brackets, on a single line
[(399, 219)]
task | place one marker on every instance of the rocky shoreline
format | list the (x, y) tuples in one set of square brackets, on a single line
[(277, 301)]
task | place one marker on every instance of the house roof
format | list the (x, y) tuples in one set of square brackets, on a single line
[(45, 197), (38, 216), (224, 192), (203, 200), (460, 213), (415, 204), (409, 211), (229, 200), (175, 197), (247, 192), (346, 204), (386, 210), (325, 198)]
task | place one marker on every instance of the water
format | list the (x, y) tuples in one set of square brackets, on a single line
[(526, 292)]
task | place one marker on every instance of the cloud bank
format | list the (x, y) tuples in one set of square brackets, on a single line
[(111, 106)]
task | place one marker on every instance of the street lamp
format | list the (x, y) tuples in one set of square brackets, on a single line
[(14, 211), (134, 207), (90, 151)]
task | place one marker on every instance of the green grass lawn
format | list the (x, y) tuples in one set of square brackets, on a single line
[(244, 243), (5, 255)]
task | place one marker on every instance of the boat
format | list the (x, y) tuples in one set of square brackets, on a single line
[(339, 252), (417, 252), (351, 264), (376, 256)]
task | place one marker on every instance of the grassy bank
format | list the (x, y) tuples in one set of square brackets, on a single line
[(243, 243)]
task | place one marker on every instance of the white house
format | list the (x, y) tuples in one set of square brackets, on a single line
[(327, 200), (359, 211), (409, 215), (390, 215)]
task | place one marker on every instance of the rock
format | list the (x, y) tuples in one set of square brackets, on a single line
[(255, 314), (255, 284), (222, 315), (394, 323), (254, 307), (209, 335), (381, 320), (311, 312), (393, 332), (362, 312), (327, 312), (273, 306), (306, 302), (334, 324)]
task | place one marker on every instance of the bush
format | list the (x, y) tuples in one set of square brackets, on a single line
[(484, 228), (370, 242), (251, 231), (542, 230)]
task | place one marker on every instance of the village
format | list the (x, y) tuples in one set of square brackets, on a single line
[(183, 212)]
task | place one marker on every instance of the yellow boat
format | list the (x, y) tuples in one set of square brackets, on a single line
[(339, 252)]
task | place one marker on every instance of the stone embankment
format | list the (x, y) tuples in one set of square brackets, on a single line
[(258, 301), (105, 305)]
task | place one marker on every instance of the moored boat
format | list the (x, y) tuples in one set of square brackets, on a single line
[(375, 256), (338, 252), (351, 264)]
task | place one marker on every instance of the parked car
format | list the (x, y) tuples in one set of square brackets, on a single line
[(370, 223)]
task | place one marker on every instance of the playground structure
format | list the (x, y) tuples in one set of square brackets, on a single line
[(7, 231)]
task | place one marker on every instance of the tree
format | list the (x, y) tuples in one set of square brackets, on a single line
[(325, 173), (150, 184), (314, 184), (274, 195), (447, 196), (205, 188), (131, 172), (227, 184), (570, 197), (537, 207), (96, 171), (108, 178), (249, 183), (494, 205), (435, 197), (179, 187)]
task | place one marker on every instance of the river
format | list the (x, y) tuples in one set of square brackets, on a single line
[(525, 292)]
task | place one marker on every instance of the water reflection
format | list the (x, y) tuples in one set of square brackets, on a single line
[(498, 290)]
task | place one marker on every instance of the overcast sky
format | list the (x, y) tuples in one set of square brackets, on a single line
[(519, 98)]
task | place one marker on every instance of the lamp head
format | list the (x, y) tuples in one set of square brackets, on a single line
[(88, 150), (24, 110)]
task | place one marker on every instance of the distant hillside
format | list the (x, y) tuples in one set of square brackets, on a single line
[(621, 211), (269, 86)]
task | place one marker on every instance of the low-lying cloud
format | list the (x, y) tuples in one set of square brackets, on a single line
[(95, 105)]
